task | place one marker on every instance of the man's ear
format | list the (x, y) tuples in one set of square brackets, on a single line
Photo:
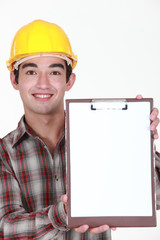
[(13, 81), (71, 81)]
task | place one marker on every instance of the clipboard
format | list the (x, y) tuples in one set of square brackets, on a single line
[(110, 164)]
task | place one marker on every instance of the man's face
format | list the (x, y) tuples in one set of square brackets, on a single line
[(42, 85)]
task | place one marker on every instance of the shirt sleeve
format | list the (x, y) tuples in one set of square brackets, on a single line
[(16, 223), (157, 159)]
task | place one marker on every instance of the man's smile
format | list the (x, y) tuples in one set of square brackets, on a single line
[(43, 95)]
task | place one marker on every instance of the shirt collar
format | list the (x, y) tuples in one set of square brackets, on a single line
[(23, 129), (20, 131)]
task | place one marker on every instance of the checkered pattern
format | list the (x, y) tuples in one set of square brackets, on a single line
[(31, 184), (157, 158)]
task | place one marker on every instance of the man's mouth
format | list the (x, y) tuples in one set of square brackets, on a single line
[(42, 95)]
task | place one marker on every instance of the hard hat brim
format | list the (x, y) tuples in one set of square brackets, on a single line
[(14, 62)]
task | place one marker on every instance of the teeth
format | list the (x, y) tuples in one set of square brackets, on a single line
[(42, 96)]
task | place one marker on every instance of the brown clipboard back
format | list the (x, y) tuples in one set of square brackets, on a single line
[(146, 220)]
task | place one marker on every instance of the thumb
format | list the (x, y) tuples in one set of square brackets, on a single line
[(139, 96), (64, 198)]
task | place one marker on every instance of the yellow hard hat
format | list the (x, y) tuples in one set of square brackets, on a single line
[(40, 38)]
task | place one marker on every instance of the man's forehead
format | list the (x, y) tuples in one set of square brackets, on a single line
[(49, 61)]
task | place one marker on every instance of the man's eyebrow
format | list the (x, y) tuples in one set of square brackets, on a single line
[(29, 65), (56, 65)]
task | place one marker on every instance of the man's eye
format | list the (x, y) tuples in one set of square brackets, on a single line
[(55, 73), (31, 73)]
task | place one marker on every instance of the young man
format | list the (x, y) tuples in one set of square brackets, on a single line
[(32, 157)]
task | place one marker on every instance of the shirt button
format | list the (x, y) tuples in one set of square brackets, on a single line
[(56, 177)]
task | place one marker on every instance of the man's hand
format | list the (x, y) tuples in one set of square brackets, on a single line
[(154, 120), (64, 200), (85, 227)]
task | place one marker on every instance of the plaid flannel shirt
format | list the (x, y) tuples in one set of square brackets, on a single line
[(157, 163), (31, 184)]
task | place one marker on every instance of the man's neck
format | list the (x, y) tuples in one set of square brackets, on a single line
[(49, 128)]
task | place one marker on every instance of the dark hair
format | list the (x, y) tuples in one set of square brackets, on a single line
[(68, 72), (16, 73)]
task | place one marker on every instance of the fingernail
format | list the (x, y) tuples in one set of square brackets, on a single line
[(106, 228), (86, 227)]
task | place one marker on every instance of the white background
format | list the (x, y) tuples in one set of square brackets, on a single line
[(118, 48)]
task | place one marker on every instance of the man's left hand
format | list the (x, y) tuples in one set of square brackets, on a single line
[(154, 120)]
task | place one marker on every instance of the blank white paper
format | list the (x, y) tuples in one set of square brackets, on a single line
[(110, 160)]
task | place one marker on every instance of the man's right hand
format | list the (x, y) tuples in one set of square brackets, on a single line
[(85, 227)]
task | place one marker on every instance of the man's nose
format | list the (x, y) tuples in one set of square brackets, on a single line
[(43, 80)]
